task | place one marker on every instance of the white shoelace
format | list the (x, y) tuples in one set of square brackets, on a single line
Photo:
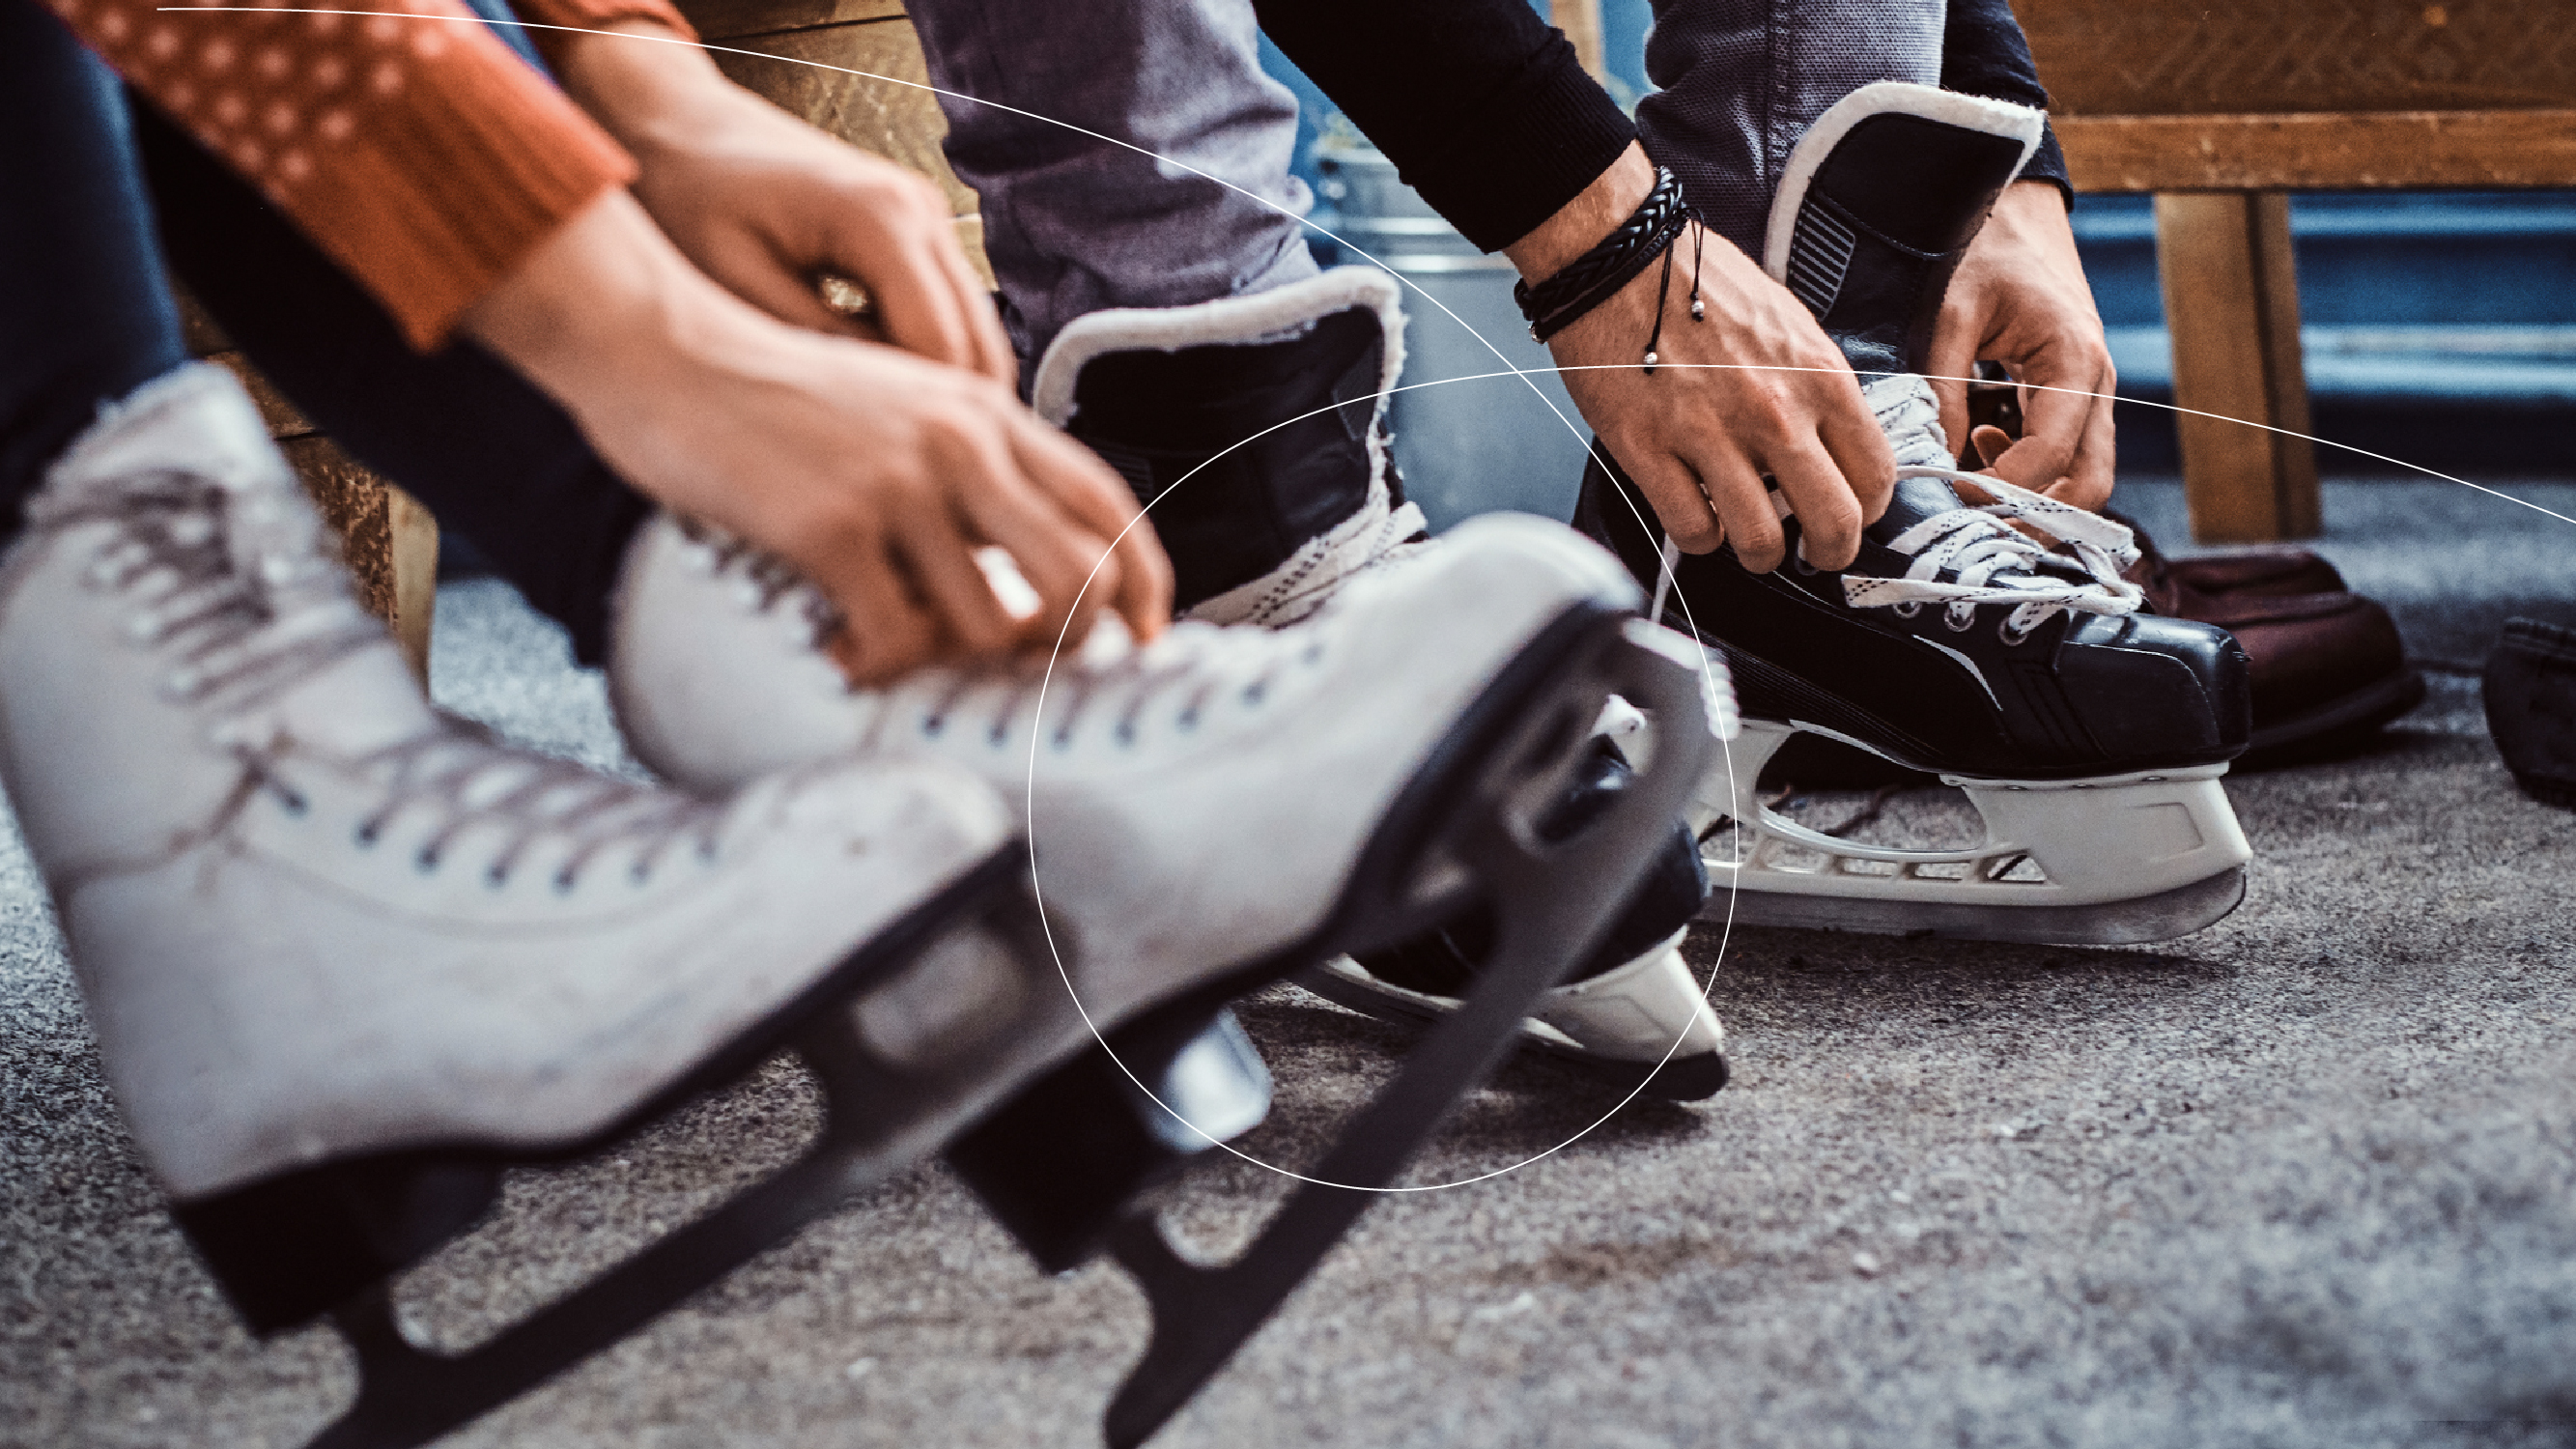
[(1113, 682), (1985, 559), (1109, 678), (247, 635)]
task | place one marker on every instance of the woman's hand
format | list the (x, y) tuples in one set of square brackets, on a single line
[(767, 205), (877, 474)]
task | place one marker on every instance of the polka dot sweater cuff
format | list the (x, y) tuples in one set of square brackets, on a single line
[(411, 145)]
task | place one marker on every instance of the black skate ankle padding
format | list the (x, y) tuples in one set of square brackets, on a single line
[(292, 1247), (1073, 1153), (2082, 696), (1884, 223), (2530, 691), (1157, 417)]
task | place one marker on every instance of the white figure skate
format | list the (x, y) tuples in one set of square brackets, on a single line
[(348, 959), (1236, 804)]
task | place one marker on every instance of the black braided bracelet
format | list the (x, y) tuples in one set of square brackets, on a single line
[(1613, 262)]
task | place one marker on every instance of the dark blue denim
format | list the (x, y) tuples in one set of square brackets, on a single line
[(85, 318)]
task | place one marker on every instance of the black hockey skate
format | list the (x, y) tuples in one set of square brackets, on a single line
[(1253, 431), (2088, 733)]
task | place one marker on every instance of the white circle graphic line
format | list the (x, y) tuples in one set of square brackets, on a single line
[(1526, 375)]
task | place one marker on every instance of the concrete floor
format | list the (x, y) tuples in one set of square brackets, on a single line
[(2307, 1177)]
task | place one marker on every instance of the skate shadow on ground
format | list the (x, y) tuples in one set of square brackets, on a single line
[(1819, 978), (1327, 1060)]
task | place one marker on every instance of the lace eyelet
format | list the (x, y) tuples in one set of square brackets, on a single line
[(1957, 625), (564, 882), (2012, 637), (367, 834), (1799, 562), (496, 878), (1908, 609), (425, 862)]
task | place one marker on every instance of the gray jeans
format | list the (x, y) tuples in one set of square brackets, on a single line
[(1173, 94)]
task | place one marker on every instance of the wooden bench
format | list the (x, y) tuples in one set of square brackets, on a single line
[(2221, 110), (388, 539)]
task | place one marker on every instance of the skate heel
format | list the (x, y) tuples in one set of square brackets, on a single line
[(290, 1249), (1061, 1163), (1465, 828)]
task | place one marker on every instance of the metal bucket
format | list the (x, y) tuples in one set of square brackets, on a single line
[(1484, 442)]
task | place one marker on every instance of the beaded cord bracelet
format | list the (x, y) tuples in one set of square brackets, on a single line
[(1592, 278)]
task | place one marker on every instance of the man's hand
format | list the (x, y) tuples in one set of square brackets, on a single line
[(875, 473), (1780, 400), (768, 205), (2020, 298)]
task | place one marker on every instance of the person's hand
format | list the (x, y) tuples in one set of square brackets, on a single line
[(767, 205), (875, 473), (2020, 298), (1699, 440)]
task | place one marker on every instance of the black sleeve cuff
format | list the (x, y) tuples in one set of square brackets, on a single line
[(1497, 131), (2049, 164)]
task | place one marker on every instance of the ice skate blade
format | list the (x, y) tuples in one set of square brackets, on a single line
[(1682, 1079), (1473, 809), (2118, 860), (882, 1117), (2160, 917)]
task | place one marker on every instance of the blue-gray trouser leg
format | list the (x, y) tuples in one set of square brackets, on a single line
[(1074, 223), (1741, 80)]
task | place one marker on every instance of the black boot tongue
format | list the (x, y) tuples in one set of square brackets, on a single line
[(1916, 500)]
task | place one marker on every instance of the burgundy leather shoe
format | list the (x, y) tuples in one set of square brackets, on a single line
[(2327, 664)]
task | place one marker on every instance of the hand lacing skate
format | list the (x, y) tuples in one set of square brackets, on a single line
[(1108, 678), (247, 630), (1971, 555)]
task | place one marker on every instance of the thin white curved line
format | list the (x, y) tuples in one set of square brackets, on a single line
[(1527, 376), (1045, 680)]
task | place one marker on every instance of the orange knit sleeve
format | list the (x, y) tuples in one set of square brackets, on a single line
[(413, 147), (598, 14)]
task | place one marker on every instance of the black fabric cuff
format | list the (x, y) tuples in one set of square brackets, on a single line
[(2049, 164), (1482, 106), (1515, 160)]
